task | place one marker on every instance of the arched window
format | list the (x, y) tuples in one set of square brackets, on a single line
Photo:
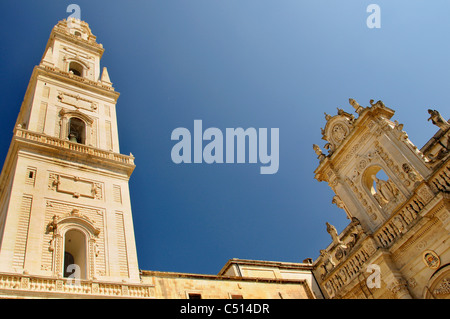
[(75, 254), (77, 131), (380, 185), (76, 68), (77, 33)]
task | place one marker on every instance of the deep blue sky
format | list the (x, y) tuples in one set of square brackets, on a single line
[(239, 63)]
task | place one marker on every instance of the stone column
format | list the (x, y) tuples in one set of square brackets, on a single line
[(398, 286)]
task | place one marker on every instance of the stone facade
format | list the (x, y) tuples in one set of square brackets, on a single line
[(66, 227), (397, 198), (65, 215)]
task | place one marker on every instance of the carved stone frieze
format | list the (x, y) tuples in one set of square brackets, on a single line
[(77, 101), (75, 186), (443, 288)]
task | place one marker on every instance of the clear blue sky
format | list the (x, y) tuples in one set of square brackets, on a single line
[(239, 63)]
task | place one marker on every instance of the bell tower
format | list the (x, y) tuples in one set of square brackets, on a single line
[(64, 198)]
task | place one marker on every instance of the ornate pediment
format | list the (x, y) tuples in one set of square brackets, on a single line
[(73, 217), (336, 130), (340, 126)]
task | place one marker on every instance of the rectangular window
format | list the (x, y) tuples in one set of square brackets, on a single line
[(30, 176), (237, 297), (195, 296)]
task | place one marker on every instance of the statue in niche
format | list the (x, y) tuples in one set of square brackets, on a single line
[(437, 119), (380, 199), (386, 189)]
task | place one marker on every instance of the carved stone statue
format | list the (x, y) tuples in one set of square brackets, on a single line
[(437, 119), (340, 203), (327, 260), (53, 225), (357, 224), (334, 235), (354, 104), (318, 151), (333, 232), (358, 108), (385, 188)]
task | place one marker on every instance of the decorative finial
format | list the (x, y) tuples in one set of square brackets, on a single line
[(358, 108), (319, 153)]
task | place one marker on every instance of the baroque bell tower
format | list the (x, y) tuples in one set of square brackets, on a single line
[(64, 196)]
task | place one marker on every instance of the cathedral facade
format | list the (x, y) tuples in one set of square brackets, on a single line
[(66, 228), (396, 197)]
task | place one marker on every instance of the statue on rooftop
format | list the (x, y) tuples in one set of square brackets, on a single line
[(437, 119)]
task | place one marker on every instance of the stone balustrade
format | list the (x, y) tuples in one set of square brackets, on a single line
[(346, 269), (65, 144), (441, 179), (26, 284)]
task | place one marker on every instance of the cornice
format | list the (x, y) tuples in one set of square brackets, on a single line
[(75, 80)]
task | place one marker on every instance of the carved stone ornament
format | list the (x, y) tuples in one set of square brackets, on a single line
[(75, 186), (340, 203), (443, 288), (339, 132), (431, 259), (398, 286), (77, 101), (437, 119), (358, 108), (319, 153)]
